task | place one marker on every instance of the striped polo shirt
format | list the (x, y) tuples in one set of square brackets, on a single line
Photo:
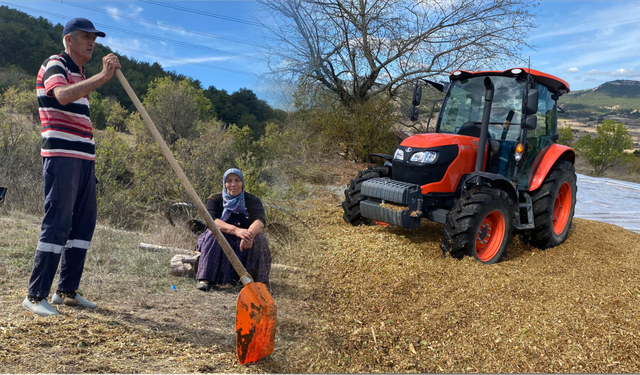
[(66, 129)]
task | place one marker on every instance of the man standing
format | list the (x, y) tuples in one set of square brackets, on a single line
[(68, 156)]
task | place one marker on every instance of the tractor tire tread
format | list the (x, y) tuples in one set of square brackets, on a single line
[(463, 219), (351, 204)]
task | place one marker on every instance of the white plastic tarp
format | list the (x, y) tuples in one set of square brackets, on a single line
[(609, 201)]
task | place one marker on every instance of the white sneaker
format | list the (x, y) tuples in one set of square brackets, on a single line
[(42, 308), (78, 301)]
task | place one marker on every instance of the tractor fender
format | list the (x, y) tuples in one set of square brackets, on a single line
[(494, 180), (545, 161)]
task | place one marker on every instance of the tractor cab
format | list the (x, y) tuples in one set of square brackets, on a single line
[(463, 109)]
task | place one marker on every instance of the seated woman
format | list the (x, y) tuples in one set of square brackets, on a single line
[(240, 217)]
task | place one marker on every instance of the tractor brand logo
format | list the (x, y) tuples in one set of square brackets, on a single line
[(465, 147), (408, 149)]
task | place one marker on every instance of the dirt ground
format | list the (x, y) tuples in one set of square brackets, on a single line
[(372, 299)]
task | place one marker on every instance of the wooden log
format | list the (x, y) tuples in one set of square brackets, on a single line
[(164, 249), (177, 250)]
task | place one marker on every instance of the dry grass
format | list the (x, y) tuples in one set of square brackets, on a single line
[(383, 301), (141, 325)]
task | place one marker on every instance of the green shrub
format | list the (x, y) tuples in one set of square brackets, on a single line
[(21, 173), (176, 108), (114, 162), (20, 161), (361, 129), (565, 136), (205, 159), (606, 149)]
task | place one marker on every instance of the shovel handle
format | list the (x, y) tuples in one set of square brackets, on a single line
[(245, 278)]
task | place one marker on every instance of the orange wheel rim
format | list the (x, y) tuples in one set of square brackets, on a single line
[(490, 236), (562, 208)]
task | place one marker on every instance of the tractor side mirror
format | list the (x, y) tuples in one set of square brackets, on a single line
[(532, 102), (417, 94), (530, 122), (414, 114)]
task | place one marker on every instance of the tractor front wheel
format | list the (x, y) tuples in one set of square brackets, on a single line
[(351, 204), (554, 204), (480, 225)]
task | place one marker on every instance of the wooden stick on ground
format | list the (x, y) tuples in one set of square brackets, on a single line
[(177, 250)]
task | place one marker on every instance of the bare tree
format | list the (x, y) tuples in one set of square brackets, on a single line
[(362, 48)]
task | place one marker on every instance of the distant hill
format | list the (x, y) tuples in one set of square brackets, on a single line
[(619, 98)]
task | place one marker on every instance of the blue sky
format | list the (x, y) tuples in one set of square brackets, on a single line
[(585, 43)]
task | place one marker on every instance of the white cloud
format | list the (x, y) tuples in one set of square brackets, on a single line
[(135, 10), (139, 50), (625, 73), (573, 70), (622, 72), (126, 45), (205, 59), (151, 53), (131, 12), (114, 13)]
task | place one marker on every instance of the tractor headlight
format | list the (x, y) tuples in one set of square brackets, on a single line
[(425, 157), (399, 155)]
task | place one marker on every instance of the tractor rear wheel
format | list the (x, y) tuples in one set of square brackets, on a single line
[(351, 204), (554, 204), (480, 224)]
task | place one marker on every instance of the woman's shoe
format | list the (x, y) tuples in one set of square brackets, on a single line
[(203, 286)]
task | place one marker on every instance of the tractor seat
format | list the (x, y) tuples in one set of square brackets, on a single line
[(470, 129)]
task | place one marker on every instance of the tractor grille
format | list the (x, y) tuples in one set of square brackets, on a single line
[(393, 191)]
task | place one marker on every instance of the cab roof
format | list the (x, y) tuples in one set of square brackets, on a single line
[(558, 85)]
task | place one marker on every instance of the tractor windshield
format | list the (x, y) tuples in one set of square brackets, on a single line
[(464, 105)]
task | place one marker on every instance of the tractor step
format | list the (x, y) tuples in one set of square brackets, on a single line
[(528, 205)]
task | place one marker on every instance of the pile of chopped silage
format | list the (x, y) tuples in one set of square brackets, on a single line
[(386, 301)]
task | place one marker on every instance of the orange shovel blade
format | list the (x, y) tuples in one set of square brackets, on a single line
[(255, 323)]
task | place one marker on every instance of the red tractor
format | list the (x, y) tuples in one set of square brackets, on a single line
[(491, 168)]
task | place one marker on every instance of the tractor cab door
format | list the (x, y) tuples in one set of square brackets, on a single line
[(542, 135)]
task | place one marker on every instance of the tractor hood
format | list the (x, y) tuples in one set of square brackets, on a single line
[(455, 156), (428, 140)]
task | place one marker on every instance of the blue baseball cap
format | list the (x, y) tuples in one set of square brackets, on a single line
[(81, 24)]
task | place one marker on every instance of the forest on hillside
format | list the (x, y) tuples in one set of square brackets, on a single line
[(615, 98)]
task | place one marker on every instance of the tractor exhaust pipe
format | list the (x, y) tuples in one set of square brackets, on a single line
[(484, 127)]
